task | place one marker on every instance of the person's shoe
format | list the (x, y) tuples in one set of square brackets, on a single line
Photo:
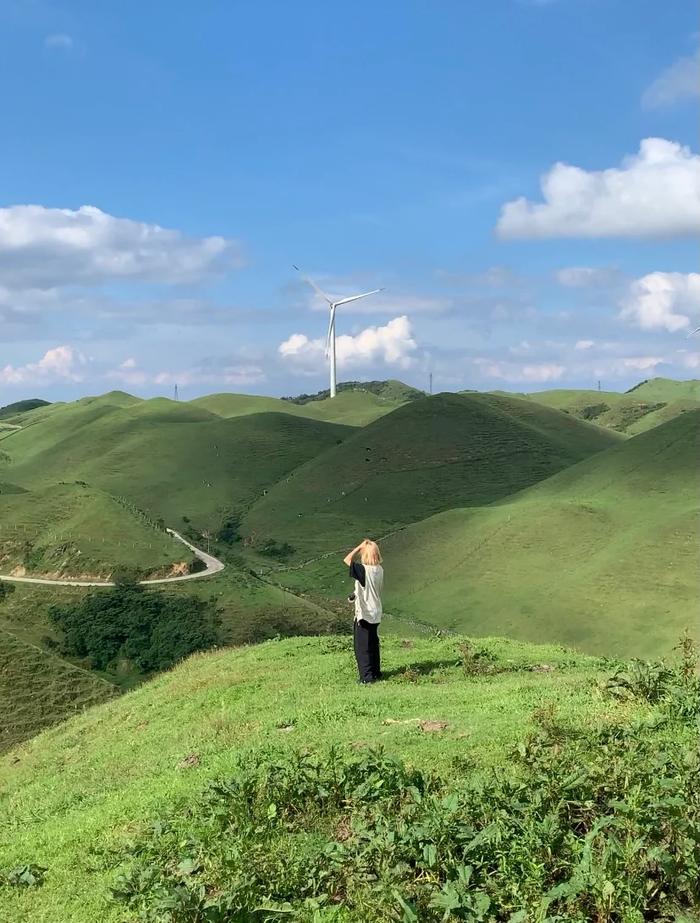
[(366, 682)]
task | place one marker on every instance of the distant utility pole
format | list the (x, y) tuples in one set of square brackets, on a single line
[(599, 384), (177, 396), (431, 383)]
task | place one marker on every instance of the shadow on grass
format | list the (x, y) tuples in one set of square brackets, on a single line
[(422, 668)]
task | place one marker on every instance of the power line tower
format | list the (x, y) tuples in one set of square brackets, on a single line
[(430, 385), (177, 394), (599, 384)]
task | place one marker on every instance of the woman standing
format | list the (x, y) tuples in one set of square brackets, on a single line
[(368, 575)]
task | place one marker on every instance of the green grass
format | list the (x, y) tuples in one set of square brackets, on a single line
[(352, 408), (429, 455), (69, 530), (646, 405), (661, 415), (602, 556), (667, 389), (10, 411), (43, 690), (170, 459), (79, 791)]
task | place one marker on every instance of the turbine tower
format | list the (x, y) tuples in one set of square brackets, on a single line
[(330, 339)]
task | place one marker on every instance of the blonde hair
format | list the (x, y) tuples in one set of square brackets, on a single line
[(370, 553)]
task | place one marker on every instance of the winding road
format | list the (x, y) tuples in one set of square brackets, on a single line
[(213, 566)]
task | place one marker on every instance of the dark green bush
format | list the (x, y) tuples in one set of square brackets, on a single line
[(148, 628)]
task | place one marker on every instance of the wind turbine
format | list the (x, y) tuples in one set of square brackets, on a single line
[(330, 339), (692, 332)]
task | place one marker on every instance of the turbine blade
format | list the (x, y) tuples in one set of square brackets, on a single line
[(692, 333), (357, 297), (313, 285)]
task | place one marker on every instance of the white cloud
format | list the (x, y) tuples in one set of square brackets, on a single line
[(129, 373), (392, 344), (655, 193), (42, 248), (62, 363), (680, 81), (663, 301), (584, 344), (688, 359), (587, 276), (513, 372), (59, 40), (643, 363)]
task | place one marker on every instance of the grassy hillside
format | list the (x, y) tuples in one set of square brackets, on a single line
[(429, 455), (663, 414), (602, 556), (73, 529), (42, 688), (646, 405), (20, 407), (171, 459), (350, 407), (666, 389), (79, 792)]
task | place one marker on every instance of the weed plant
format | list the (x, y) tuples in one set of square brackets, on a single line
[(585, 825)]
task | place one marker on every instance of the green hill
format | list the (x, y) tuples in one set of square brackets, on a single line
[(70, 530), (666, 389), (602, 556), (354, 404), (646, 405), (173, 460), (75, 796), (429, 455), (662, 414), (20, 407), (43, 689)]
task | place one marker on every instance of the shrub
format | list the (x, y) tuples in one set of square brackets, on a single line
[(151, 629), (6, 589), (600, 825)]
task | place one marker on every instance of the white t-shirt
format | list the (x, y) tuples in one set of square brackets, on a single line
[(368, 598)]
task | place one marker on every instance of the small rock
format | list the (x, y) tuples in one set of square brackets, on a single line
[(190, 761), (542, 668)]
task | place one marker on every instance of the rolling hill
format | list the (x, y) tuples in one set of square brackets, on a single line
[(353, 405), (602, 556), (429, 455), (646, 405), (43, 690), (72, 530), (174, 460), (9, 411)]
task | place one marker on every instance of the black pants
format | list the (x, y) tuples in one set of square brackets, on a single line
[(366, 638)]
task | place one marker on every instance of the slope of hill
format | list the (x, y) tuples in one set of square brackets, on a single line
[(602, 556), (76, 795), (666, 389), (173, 460), (642, 407), (70, 530), (353, 406), (20, 407), (662, 414), (42, 688), (429, 455)]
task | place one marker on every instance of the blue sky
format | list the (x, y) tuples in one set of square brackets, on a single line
[(521, 175)]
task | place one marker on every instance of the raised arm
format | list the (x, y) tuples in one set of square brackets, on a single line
[(347, 560)]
